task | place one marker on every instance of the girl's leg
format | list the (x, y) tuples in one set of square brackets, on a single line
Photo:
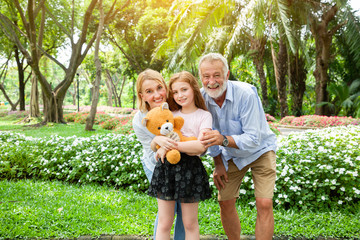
[(166, 219), (190, 219), (179, 232)]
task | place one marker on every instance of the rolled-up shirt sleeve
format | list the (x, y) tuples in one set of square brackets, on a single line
[(213, 151)]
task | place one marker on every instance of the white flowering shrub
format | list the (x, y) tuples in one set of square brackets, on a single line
[(315, 169), (319, 168), (106, 159)]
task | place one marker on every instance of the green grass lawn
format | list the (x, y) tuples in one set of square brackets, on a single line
[(9, 123), (44, 209)]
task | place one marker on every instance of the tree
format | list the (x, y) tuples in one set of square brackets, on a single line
[(7, 47), (297, 80), (222, 26), (113, 81), (280, 67), (91, 117), (53, 97), (136, 34), (323, 33), (3, 73)]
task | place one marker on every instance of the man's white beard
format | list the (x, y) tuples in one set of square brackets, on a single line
[(216, 94)]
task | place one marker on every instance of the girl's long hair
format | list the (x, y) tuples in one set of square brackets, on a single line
[(187, 77)]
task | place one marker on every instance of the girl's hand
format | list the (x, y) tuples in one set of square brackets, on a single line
[(160, 154), (165, 142), (202, 133), (211, 138)]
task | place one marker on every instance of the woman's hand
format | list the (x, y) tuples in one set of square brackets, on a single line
[(165, 142), (160, 154)]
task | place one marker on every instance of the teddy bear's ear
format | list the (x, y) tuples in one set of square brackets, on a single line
[(144, 121), (164, 106)]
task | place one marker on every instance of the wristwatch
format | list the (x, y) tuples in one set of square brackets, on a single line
[(225, 142)]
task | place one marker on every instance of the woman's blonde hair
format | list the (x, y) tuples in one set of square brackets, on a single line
[(187, 77), (148, 74)]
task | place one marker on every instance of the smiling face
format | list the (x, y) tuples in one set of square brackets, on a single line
[(213, 78), (153, 93), (183, 94)]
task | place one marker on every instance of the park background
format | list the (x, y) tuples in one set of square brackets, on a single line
[(76, 62)]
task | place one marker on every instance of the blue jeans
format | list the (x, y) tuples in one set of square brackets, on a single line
[(179, 231)]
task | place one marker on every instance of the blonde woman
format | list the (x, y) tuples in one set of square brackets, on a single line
[(152, 92)]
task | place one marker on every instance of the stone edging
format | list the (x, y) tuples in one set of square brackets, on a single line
[(297, 127)]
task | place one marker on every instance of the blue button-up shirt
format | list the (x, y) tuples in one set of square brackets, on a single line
[(242, 117)]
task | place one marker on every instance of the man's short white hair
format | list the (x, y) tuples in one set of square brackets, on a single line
[(214, 57)]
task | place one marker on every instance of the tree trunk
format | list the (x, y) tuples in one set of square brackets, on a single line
[(134, 95), (280, 67), (258, 48), (53, 107), (20, 67), (13, 105), (297, 79), (34, 98), (117, 95), (2, 87), (109, 92), (91, 117), (323, 38), (121, 90)]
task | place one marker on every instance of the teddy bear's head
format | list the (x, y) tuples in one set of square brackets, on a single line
[(159, 120)]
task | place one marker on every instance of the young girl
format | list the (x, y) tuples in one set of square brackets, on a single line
[(152, 92), (187, 180)]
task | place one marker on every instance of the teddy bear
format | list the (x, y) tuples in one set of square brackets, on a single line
[(161, 121)]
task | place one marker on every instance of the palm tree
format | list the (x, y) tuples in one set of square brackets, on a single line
[(228, 27), (344, 99), (245, 28)]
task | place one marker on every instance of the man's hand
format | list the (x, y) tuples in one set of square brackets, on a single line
[(220, 176), (211, 138), (160, 154)]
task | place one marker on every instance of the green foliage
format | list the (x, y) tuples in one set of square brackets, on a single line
[(116, 122), (80, 117), (119, 124), (287, 120), (316, 170), (344, 98)]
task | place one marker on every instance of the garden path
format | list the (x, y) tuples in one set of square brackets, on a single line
[(284, 130)]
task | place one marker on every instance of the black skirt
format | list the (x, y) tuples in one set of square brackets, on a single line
[(186, 181)]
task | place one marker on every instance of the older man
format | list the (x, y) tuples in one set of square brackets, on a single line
[(241, 140)]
